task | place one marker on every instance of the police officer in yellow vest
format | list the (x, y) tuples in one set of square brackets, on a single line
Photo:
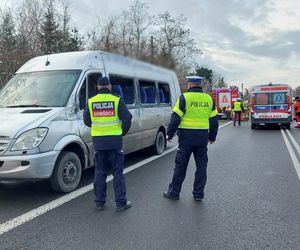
[(238, 108), (196, 119), (109, 119)]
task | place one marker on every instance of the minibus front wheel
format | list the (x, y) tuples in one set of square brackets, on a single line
[(67, 172), (160, 143)]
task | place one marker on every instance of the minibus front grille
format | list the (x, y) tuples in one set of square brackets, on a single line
[(4, 142)]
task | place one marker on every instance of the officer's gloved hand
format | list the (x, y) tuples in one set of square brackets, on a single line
[(169, 139)]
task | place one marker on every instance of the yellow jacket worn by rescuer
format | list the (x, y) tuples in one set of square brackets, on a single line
[(199, 108), (108, 118), (238, 106), (196, 118), (104, 115)]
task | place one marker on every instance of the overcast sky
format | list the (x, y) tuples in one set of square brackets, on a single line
[(249, 41)]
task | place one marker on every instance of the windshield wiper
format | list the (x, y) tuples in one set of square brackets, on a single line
[(26, 106)]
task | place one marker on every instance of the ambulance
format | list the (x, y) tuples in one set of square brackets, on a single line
[(271, 104)]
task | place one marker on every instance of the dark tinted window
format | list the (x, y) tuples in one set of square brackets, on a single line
[(164, 93), (123, 87), (93, 78), (261, 99), (148, 92)]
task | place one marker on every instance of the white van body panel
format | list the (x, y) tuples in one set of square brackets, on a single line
[(82, 60), (65, 124)]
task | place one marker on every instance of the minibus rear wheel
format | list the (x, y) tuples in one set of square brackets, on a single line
[(160, 143), (67, 172)]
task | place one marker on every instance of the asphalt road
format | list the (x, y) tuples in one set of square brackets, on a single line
[(252, 201)]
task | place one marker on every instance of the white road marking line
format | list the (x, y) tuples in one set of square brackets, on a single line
[(32, 214), (17, 221), (292, 153), (293, 140), (222, 126), (297, 167)]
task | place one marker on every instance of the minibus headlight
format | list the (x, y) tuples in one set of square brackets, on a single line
[(30, 139)]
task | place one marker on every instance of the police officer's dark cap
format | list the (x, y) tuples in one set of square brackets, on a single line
[(104, 81)]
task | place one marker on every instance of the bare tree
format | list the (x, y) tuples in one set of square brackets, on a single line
[(104, 36), (34, 29), (126, 38), (71, 40), (65, 23), (140, 20), (175, 42), (37, 28), (28, 27)]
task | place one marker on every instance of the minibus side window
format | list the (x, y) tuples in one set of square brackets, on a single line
[(93, 78), (148, 93), (124, 88), (82, 96), (164, 93)]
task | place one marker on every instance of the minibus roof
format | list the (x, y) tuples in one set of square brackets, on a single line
[(89, 60)]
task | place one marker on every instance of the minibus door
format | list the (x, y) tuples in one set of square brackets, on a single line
[(149, 115), (87, 90)]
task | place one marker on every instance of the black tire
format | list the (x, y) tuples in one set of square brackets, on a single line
[(67, 172), (253, 125), (160, 143), (288, 126)]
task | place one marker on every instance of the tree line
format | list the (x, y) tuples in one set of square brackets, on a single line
[(38, 28)]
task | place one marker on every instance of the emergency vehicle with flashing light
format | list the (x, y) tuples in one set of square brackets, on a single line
[(224, 98), (271, 104)]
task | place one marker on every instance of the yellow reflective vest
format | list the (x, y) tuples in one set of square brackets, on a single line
[(104, 115), (198, 110), (237, 106)]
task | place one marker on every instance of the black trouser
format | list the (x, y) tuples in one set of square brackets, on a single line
[(102, 160), (237, 113), (181, 162), (227, 112)]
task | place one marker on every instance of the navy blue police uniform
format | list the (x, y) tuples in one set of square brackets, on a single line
[(108, 146), (192, 140)]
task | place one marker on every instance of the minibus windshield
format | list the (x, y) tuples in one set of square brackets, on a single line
[(39, 89)]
